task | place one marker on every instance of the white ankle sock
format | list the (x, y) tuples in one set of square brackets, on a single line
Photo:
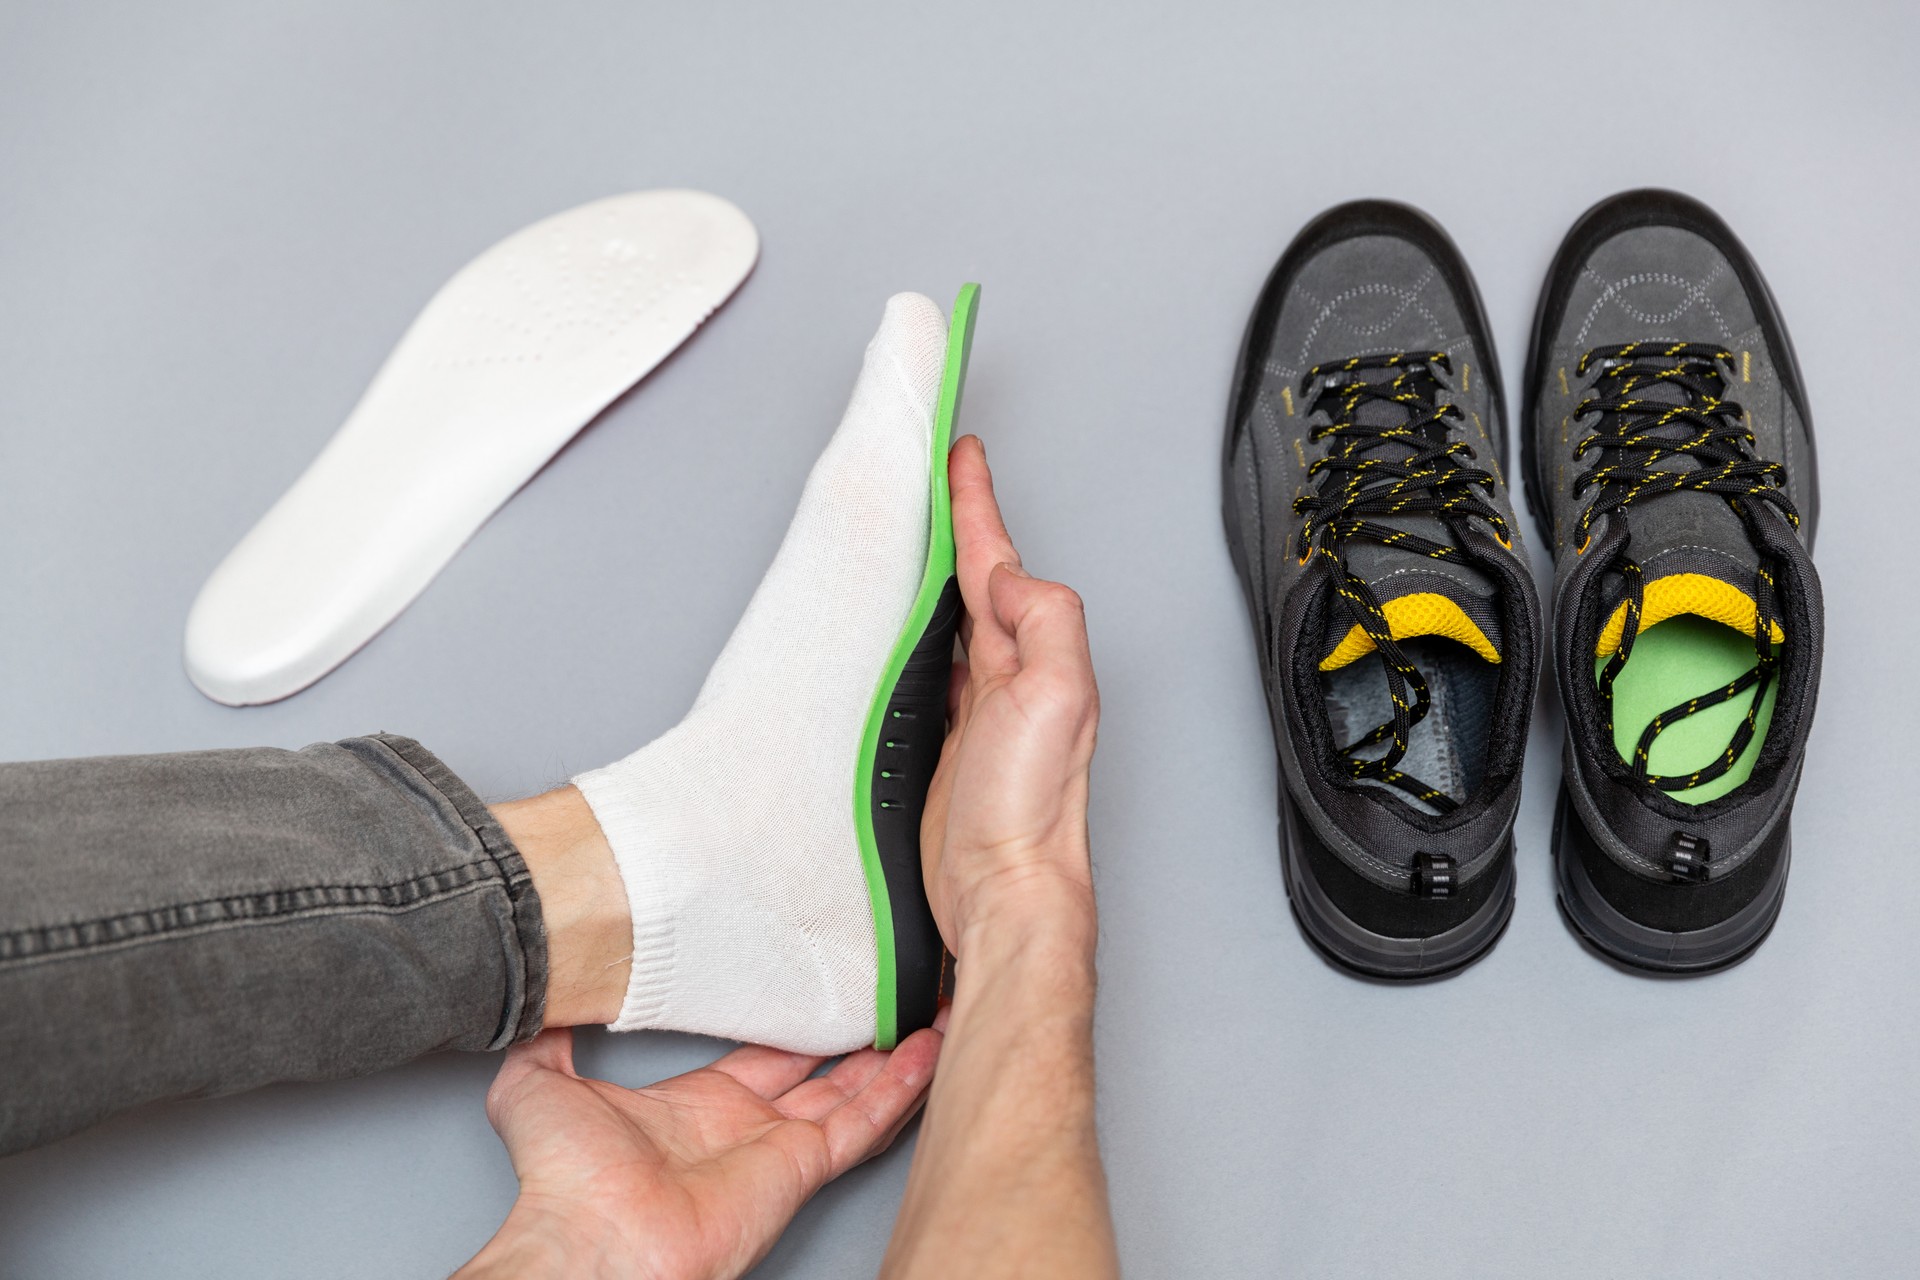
[(734, 830)]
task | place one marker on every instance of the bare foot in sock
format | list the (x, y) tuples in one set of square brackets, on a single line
[(734, 832)]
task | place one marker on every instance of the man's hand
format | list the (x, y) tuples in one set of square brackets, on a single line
[(698, 1175), (1006, 1178), (1004, 837), (692, 1177)]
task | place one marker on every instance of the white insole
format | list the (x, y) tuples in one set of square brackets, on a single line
[(518, 352)]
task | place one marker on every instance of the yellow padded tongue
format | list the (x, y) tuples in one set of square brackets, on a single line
[(1681, 594), (1423, 613)]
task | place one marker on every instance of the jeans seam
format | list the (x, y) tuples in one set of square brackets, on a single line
[(187, 932), (155, 923)]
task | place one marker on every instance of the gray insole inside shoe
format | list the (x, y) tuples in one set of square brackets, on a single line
[(1448, 749)]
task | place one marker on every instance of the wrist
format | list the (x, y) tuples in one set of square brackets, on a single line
[(534, 1244), (520, 1249), (1032, 906), (1045, 920)]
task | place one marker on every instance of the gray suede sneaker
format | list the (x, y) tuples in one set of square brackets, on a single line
[(1669, 460), (1397, 625)]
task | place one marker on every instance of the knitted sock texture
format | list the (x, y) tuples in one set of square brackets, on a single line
[(734, 830)]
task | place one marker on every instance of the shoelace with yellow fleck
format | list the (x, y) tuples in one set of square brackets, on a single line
[(1640, 433), (1373, 472)]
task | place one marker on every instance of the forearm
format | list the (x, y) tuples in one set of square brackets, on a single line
[(1007, 1178)]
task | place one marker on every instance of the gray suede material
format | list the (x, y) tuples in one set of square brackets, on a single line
[(1654, 283), (1663, 284), (1366, 295)]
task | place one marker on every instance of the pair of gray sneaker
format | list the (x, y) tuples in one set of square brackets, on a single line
[(1668, 462)]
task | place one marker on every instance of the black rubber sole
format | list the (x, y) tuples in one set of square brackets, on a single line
[(1616, 937), (1358, 950)]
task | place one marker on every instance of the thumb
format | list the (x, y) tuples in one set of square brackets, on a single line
[(551, 1050), (1047, 621)]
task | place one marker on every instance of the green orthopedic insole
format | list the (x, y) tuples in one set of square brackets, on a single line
[(1673, 661), (923, 621)]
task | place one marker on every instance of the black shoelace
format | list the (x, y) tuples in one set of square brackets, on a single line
[(1640, 433), (1406, 468)]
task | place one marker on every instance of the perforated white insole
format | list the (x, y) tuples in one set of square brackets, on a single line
[(518, 352)]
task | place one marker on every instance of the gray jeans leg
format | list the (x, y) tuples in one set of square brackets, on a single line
[(178, 926)]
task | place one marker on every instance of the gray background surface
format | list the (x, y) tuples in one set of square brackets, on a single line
[(217, 218)]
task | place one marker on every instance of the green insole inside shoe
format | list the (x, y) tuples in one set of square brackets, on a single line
[(1673, 661)]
